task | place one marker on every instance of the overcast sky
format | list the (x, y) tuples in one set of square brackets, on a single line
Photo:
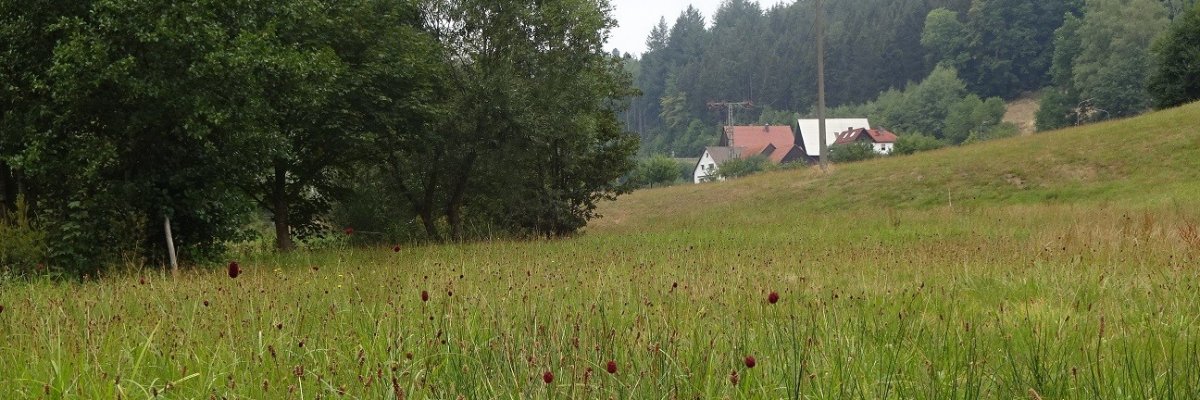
[(637, 17)]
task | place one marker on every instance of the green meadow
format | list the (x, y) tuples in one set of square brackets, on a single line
[(1064, 265)]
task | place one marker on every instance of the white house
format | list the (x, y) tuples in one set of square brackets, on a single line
[(881, 141), (714, 156), (833, 126), (776, 143)]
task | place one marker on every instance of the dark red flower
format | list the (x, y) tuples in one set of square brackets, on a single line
[(548, 377), (612, 366), (396, 249), (773, 297), (734, 378), (424, 295), (142, 280), (349, 231), (751, 362), (234, 269)]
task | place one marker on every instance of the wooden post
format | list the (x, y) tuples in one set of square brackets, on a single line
[(170, 245), (821, 86)]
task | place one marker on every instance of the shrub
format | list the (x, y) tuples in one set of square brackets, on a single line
[(851, 152), (22, 242), (659, 170), (1004, 130), (909, 144), (740, 167)]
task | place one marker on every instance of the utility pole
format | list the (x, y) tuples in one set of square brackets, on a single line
[(730, 106), (821, 86)]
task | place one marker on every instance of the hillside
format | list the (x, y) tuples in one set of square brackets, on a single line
[(1066, 268), (1152, 160)]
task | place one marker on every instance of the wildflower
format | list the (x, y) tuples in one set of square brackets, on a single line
[(548, 377), (349, 231), (773, 297), (424, 295), (396, 249), (734, 378), (234, 269), (751, 362), (612, 366)]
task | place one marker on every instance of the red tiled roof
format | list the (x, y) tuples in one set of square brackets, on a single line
[(875, 135), (758, 139)]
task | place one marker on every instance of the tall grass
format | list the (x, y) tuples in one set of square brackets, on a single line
[(1065, 288)]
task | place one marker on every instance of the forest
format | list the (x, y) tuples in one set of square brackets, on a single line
[(929, 70), (286, 121)]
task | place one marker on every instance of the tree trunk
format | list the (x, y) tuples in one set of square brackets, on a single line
[(427, 220), (283, 231), (8, 190), (458, 197)]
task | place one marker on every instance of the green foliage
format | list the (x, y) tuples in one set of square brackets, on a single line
[(659, 170), (527, 137), (740, 167), (972, 115), (922, 107), (1112, 68), (915, 143), (22, 241), (1176, 76), (1001, 131), (939, 105), (121, 113), (1003, 47), (771, 116), (1057, 110), (852, 152), (946, 37)]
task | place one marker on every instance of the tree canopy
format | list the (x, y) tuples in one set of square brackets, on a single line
[(119, 114)]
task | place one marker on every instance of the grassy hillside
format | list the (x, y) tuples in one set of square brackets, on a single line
[(1061, 265), (1151, 161)]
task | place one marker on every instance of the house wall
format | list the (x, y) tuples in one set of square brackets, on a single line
[(883, 148), (705, 168)]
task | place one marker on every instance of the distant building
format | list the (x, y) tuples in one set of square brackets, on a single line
[(811, 139), (881, 141), (776, 143)]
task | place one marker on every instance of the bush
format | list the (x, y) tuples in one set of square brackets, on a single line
[(1004, 130), (740, 167), (22, 243), (659, 170), (852, 152), (910, 144)]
